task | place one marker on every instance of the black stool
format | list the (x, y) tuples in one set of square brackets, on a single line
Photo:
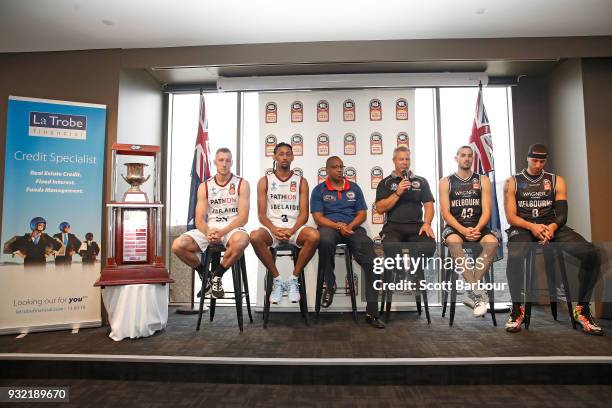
[(280, 251), (350, 277), (550, 254), (450, 273), (211, 259), (386, 298)]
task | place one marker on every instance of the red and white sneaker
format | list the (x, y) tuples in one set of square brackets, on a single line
[(582, 315), (515, 320)]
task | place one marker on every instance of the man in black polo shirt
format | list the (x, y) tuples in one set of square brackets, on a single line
[(339, 208), (402, 196)]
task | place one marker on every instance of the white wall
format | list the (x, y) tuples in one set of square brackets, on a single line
[(140, 108), (567, 140)]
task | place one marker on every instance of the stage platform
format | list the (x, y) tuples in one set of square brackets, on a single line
[(333, 351)]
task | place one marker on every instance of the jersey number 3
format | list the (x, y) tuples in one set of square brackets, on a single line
[(284, 218)]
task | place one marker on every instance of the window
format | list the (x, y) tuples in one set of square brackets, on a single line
[(432, 160)]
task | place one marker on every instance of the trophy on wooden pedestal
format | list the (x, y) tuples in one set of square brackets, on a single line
[(134, 243)]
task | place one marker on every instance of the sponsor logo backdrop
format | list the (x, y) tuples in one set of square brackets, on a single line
[(361, 127)]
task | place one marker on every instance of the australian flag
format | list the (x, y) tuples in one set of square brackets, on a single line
[(200, 169), (482, 144)]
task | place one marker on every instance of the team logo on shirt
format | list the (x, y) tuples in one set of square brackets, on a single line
[(270, 145), (547, 185), (393, 186), (329, 198), (375, 110), (297, 144), (293, 187), (214, 190), (297, 111), (348, 110), (274, 186), (475, 184), (232, 189), (401, 109), (323, 111), (271, 112), (350, 195), (416, 184)]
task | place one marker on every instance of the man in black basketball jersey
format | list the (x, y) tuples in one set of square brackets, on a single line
[(465, 203), (536, 208)]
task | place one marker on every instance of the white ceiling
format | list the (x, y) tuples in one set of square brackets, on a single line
[(48, 25)]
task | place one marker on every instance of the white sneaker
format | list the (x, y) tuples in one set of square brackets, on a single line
[(480, 306), (277, 290), (217, 287), (293, 287), (468, 298)]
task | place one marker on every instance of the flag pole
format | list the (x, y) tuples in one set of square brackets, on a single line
[(191, 309)]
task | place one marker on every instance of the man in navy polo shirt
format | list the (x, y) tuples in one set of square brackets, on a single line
[(339, 208)]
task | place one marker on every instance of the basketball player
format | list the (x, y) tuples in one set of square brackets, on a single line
[(221, 212), (465, 202), (536, 208), (282, 208)]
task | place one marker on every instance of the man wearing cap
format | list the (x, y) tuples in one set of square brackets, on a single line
[(70, 244), (536, 208), (339, 208), (403, 196)]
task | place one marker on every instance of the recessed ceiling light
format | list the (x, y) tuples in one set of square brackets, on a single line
[(481, 10), (108, 22)]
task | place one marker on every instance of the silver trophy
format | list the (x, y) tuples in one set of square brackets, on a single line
[(135, 178)]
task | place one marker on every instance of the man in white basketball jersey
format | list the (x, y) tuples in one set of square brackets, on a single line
[(282, 207), (221, 212)]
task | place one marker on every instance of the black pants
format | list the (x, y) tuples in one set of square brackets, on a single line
[(63, 260), (396, 237), (521, 240), (362, 248)]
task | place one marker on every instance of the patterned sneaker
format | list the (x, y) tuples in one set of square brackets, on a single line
[(480, 303), (582, 315), (468, 299), (293, 287), (277, 290), (216, 287), (515, 320)]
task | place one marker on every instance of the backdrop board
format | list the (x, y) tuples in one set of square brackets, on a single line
[(54, 172), (362, 127)]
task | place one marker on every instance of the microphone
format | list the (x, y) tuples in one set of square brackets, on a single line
[(404, 174)]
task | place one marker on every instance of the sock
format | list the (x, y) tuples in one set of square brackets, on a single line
[(200, 269), (219, 270)]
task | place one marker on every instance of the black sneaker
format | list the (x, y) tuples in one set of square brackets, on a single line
[(206, 288), (374, 321), (328, 296)]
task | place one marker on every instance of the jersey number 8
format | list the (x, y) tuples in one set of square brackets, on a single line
[(535, 213)]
